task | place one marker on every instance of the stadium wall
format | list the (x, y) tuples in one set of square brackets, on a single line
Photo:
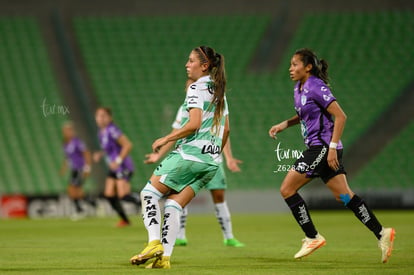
[(269, 199)]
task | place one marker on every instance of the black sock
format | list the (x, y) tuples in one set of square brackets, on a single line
[(301, 213), (134, 198), (77, 205), (116, 205), (365, 215), (90, 201)]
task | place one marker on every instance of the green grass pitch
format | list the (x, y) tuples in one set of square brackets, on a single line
[(95, 246)]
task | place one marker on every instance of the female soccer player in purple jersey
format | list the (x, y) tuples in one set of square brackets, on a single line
[(79, 160), (116, 146), (315, 108)]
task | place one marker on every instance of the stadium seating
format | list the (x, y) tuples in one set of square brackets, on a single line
[(137, 67), (392, 167), (30, 141)]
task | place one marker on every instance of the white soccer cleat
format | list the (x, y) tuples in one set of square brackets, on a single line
[(386, 243), (310, 245)]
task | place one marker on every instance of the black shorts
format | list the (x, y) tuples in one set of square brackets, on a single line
[(124, 174), (314, 163), (76, 178)]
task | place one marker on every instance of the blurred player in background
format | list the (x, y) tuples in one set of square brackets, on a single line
[(316, 107), (116, 148), (217, 187), (185, 171), (78, 158)]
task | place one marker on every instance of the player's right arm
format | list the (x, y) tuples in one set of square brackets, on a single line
[(283, 125), (156, 156)]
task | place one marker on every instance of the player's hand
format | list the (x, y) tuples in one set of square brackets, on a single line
[(333, 159), (158, 144), (113, 166), (152, 158), (233, 164), (97, 156), (277, 129)]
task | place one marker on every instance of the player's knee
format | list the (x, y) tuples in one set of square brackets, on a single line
[(149, 192), (108, 194), (286, 191), (218, 198)]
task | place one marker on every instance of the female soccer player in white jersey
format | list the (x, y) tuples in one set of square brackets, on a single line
[(203, 134), (116, 147), (217, 187), (315, 108)]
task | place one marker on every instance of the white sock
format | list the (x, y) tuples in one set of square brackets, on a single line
[(224, 219), (183, 223), (171, 225), (151, 211)]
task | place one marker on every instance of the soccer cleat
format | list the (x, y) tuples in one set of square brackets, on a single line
[(153, 250), (386, 243), (310, 245), (161, 263), (233, 243), (181, 242), (123, 223)]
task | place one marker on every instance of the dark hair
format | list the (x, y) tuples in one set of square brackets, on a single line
[(218, 75), (107, 110), (319, 66)]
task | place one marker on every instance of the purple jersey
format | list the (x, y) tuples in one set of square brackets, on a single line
[(74, 150), (108, 138), (310, 104)]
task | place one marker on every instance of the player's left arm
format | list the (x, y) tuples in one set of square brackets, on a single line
[(226, 132), (339, 124), (126, 147), (232, 162), (87, 156)]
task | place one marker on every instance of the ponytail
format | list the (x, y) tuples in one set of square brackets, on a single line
[(319, 67), (217, 73)]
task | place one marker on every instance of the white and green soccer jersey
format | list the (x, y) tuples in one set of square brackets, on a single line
[(204, 145)]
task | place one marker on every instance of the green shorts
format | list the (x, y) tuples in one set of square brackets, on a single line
[(178, 173), (219, 181)]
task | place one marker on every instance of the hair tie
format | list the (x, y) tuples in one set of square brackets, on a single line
[(217, 59)]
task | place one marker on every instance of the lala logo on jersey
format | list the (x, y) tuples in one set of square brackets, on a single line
[(211, 148), (303, 99)]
